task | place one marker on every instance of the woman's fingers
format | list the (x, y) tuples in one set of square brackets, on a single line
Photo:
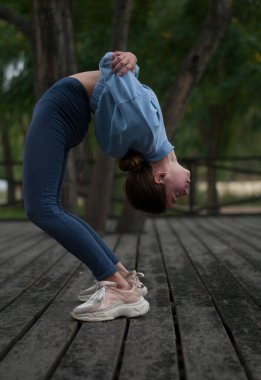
[(123, 62), (125, 69), (115, 53), (119, 60), (117, 65)]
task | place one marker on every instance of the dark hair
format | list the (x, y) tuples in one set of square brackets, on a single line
[(141, 190)]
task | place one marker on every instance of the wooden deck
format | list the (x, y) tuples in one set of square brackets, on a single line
[(204, 280)]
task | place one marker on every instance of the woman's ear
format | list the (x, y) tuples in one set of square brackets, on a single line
[(159, 177)]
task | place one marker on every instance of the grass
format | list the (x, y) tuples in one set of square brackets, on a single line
[(16, 212)]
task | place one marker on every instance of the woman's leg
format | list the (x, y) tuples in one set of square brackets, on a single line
[(45, 156), (120, 267), (105, 248)]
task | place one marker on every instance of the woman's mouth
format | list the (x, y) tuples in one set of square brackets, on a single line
[(186, 189)]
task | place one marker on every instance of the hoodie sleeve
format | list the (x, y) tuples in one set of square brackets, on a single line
[(128, 115), (122, 88)]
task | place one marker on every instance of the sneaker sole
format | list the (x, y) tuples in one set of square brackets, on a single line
[(144, 292), (124, 310)]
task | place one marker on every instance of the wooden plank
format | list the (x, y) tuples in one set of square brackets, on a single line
[(15, 230), (14, 239), (14, 286), (239, 313), (206, 347), (150, 350), (24, 255), (6, 225), (210, 270), (239, 232), (21, 314), (252, 223), (248, 276), (33, 355), (184, 281), (127, 250), (21, 239), (254, 219), (224, 233), (243, 320), (94, 352)]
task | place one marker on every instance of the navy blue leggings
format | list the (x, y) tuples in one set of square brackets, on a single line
[(60, 121)]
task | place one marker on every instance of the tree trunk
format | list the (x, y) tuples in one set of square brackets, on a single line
[(98, 204), (213, 135), (214, 138), (50, 31), (8, 168), (214, 28), (54, 44), (120, 24), (212, 195), (55, 58), (84, 167), (131, 220)]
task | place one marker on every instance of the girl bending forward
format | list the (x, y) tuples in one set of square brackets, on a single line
[(129, 126)]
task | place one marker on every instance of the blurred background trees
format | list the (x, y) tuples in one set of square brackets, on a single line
[(43, 40)]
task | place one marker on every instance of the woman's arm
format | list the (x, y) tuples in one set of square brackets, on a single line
[(120, 62), (88, 79)]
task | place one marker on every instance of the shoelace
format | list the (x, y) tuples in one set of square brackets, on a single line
[(138, 282), (101, 291), (98, 295)]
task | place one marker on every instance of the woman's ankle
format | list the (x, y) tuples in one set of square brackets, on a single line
[(120, 281), (122, 270)]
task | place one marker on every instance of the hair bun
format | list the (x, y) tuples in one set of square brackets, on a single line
[(132, 161)]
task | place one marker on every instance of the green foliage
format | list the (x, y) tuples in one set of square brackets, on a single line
[(232, 82), (161, 35), (92, 26), (13, 213)]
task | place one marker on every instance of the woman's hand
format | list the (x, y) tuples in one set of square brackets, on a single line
[(123, 62)]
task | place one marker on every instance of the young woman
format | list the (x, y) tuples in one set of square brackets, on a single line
[(129, 126)]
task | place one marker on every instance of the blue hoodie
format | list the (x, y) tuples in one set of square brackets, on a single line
[(127, 115)]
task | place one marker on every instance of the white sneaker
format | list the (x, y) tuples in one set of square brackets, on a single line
[(132, 277), (86, 294), (110, 302)]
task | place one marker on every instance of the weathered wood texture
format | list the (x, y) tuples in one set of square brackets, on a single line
[(204, 280)]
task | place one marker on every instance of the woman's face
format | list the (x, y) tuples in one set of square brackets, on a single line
[(176, 181)]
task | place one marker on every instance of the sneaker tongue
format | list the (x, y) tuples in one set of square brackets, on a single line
[(110, 284)]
